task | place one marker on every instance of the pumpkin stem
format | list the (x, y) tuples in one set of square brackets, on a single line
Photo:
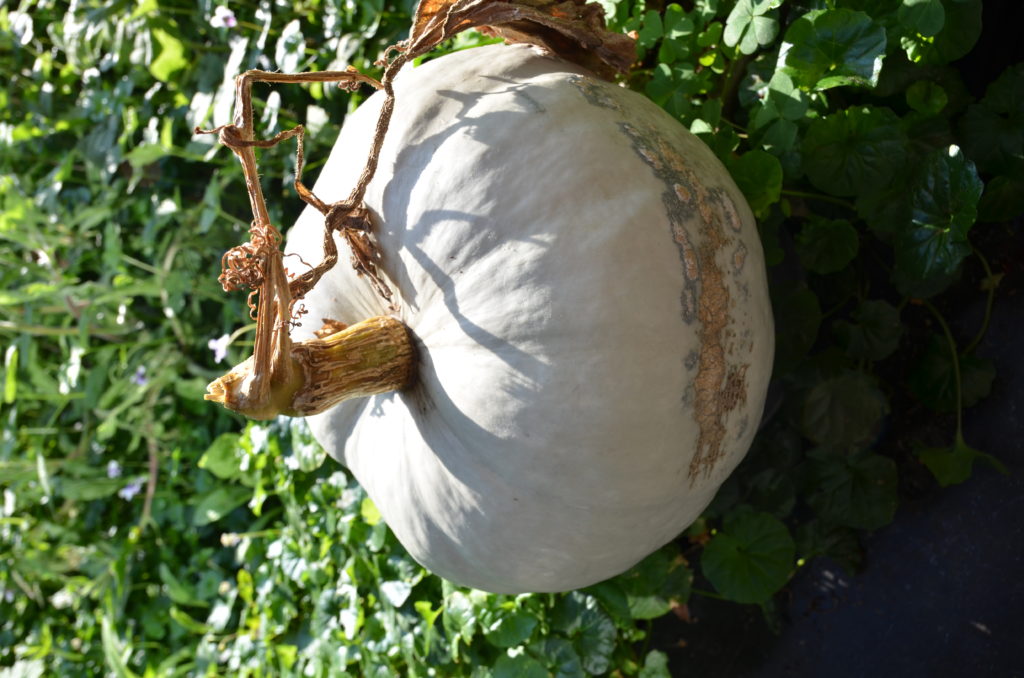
[(370, 357)]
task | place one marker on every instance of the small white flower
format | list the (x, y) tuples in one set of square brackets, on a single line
[(129, 491), (61, 599), (223, 18), (219, 347), (21, 26), (8, 596), (113, 469), (258, 437)]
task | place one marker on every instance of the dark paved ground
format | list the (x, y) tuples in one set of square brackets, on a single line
[(941, 593)]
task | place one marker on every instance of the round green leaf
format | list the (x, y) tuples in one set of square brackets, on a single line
[(858, 492), (927, 97), (759, 175), (833, 47), (854, 151), (993, 129), (960, 30), (875, 332), (845, 411), (750, 558), (508, 629), (944, 207), (924, 17), (827, 245)]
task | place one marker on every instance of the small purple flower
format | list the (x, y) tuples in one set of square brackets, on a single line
[(113, 469), (129, 491), (223, 18), (139, 378), (219, 347), (8, 596)]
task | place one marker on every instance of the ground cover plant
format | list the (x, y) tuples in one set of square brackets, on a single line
[(145, 532)]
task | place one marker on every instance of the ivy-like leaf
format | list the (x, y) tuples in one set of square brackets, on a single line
[(218, 503), (759, 175), (845, 411), (827, 245), (854, 151), (857, 492), (749, 27), (832, 47), (171, 57), (750, 558), (945, 206), (933, 378), (221, 457), (508, 629), (875, 332)]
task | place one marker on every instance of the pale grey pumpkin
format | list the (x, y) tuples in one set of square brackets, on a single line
[(586, 290)]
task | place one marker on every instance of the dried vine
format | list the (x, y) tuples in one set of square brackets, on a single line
[(572, 29)]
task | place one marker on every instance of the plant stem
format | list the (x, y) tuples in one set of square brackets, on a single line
[(951, 342), (988, 304)]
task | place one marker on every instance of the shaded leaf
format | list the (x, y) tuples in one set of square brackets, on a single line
[(218, 503), (750, 558), (857, 492), (927, 97), (655, 665), (797, 319), (844, 411), (759, 175), (854, 151), (874, 333), (924, 17), (933, 377), (827, 245)]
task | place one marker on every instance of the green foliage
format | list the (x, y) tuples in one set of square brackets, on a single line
[(150, 534)]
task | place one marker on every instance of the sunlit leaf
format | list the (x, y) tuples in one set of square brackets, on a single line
[(833, 47), (945, 206), (749, 25)]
